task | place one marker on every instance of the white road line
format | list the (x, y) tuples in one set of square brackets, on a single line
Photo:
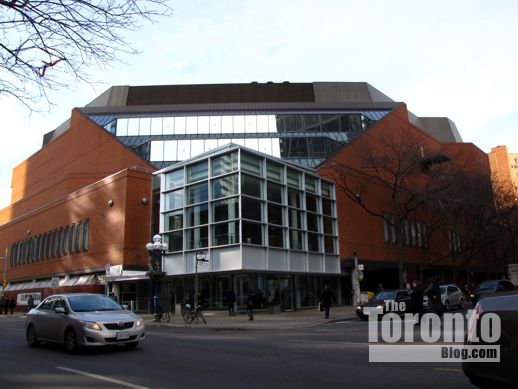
[(444, 369), (102, 378), (327, 342)]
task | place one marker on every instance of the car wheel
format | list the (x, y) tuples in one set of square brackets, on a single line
[(364, 317), (71, 341), (32, 337), (461, 304), (131, 346), (446, 305)]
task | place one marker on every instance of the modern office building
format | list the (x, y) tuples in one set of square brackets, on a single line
[(504, 167), (96, 171)]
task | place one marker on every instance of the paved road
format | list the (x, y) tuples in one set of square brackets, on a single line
[(330, 355)]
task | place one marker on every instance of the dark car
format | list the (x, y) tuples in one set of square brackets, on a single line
[(487, 288), (377, 303), (83, 319), (496, 374)]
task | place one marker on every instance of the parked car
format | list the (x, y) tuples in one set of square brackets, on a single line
[(495, 374), (451, 296), (487, 288), (83, 319), (377, 303)]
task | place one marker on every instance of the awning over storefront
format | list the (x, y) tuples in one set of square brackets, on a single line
[(88, 279)]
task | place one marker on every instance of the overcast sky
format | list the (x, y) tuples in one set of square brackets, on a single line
[(442, 58)]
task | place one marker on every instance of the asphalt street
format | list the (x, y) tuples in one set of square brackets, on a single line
[(330, 355)]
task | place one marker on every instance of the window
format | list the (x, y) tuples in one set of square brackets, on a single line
[(225, 210), (294, 198), (72, 239), (224, 164), (251, 164), (226, 186), (197, 215), (313, 222), (276, 236), (173, 200), (173, 220), (251, 209), (252, 233), (274, 171), (197, 238), (326, 189), (293, 178), (60, 242), (329, 244), (313, 242), (79, 237), (274, 192), (251, 186), (327, 207), (225, 233), (275, 214), (174, 179), (296, 240), (48, 247), (174, 240), (86, 234), (65, 241), (311, 184), (311, 203), (295, 219), (197, 172), (197, 193)]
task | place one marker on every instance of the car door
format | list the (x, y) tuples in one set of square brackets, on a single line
[(57, 321), (453, 295), (41, 318)]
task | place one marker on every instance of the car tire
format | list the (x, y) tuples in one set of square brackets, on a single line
[(32, 337), (131, 345), (71, 341), (364, 317), (446, 305), (461, 303)]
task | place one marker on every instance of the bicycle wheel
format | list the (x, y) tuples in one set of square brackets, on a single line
[(188, 316), (202, 317)]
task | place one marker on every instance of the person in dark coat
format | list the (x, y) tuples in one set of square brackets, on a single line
[(416, 294), (326, 299), (250, 301), (230, 298), (6, 305), (12, 305), (433, 292)]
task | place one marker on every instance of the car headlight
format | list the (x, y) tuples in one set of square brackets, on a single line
[(139, 323), (359, 308), (92, 325)]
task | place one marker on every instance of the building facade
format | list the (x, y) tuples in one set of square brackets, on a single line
[(504, 167), (96, 171)]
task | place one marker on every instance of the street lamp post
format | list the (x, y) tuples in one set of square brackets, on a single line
[(199, 257), (355, 280), (156, 275)]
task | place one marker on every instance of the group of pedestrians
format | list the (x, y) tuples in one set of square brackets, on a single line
[(7, 304)]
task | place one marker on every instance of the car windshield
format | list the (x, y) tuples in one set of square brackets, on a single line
[(382, 296), (91, 303), (487, 285)]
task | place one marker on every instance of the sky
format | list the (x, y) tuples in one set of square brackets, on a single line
[(457, 59)]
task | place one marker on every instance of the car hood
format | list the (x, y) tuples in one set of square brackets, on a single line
[(106, 316)]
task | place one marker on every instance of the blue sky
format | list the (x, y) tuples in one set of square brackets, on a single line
[(442, 58)]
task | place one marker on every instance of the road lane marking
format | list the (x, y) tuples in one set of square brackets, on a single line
[(327, 342), (102, 378), (445, 369)]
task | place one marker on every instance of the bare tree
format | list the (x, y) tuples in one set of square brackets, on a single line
[(49, 44), (398, 166)]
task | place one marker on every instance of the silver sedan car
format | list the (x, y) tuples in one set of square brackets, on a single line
[(83, 319)]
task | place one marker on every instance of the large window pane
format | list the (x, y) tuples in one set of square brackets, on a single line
[(250, 124), (328, 226), (296, 240), (295, 218), (313, 242), (251, 186), (174, 179), (215, 124), (275, 214), (329, 245), (86, 234), (327, 207), (145, 126), (252, 233), (311, 203), (227, 124), (239, 124), (171, 150), (251, 209), (203, 125), (274, 171), (225, 233), (293, 178), (157, 151), (311, 184), (174, 240), (197, 237), (198, 171), (226, 186), (156, 126), (224, 164), (179, 125), (197, 215), (173, 200), (312, 220), (276, 236), (197, 193), (225, 210), (173, 220), (184, 150), (192, 125), (294, 198), (326, 189), (168, 126), (251, 164), (274, 192)]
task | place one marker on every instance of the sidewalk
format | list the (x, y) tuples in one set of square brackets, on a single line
[(221, 321)]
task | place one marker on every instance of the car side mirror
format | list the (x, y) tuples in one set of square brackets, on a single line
[(60, 310)]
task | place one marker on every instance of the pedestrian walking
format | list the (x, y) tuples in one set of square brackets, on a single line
[(230, 298), (12, 305), (30, 302), (433, 292), (6, 305), (416, 294), (250, 305), (326, 299)]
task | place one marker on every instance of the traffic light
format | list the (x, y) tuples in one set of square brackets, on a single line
[(4, 283)]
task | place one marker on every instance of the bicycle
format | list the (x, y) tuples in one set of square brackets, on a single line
[(189, 314), (166, 314)]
